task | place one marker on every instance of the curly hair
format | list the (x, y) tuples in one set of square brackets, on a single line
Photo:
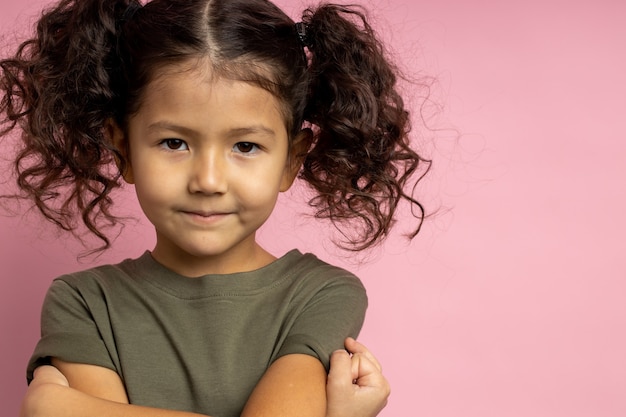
[(90, 62), (54, 89), (362, 158)]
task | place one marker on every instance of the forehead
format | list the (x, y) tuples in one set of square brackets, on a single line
[(195, 95), (202, 69)]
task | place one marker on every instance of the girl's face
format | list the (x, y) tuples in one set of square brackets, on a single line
[(208, 157)]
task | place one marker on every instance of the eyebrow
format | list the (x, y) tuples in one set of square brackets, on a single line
[(235, 132), (252, 130), (171, 126)]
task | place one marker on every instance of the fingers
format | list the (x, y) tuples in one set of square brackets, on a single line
[(355, 347), (340, 376), (340, 365), (359, 367), (355, 385), (49, 374)]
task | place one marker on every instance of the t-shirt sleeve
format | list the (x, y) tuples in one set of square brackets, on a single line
[(335, 311), (68, 330)]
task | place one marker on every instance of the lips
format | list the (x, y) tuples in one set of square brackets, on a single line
[(205, 217), (205, 213)]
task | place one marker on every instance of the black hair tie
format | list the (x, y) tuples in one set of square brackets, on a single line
[(301, 30)]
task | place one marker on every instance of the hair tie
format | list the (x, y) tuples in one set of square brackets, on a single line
[(301, 30)]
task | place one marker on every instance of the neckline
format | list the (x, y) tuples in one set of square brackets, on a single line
[(216, 285)]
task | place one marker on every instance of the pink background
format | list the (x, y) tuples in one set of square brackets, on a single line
[(512, 302)]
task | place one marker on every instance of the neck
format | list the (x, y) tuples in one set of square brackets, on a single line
[(192, 266)]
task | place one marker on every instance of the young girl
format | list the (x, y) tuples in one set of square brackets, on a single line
[(210, 108)]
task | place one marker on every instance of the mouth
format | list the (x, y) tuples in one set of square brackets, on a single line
[(205, 217), (201, 213)]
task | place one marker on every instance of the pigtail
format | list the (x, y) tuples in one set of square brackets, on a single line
[(361, 160), (59, 89)]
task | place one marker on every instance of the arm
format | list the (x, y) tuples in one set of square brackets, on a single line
[(51, 394), (94, 380), (294, 385)]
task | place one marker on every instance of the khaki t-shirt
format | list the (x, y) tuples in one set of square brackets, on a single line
[(198, 344)]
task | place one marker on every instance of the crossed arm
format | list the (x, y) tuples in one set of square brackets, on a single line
[(294, 385)]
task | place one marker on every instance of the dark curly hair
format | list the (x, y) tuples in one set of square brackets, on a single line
[(91, 60)]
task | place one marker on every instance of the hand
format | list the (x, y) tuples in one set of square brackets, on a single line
[(356, 386), (46, 380), (48, 374)]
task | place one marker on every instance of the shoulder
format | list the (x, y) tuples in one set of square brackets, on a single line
[(308, 268), (90, 295), (313, 281), (308, 263), (99, 278)]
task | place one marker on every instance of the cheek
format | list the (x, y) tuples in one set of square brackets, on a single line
[(151, 174), (149, 201), (260, 189), (154, 187)]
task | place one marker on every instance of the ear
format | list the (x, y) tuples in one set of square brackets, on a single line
[(116, 136), (297, 152)]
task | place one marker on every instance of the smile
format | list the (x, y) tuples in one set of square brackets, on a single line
[(205, 217)]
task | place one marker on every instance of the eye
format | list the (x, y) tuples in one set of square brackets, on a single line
[(246, 147), (174, 144)]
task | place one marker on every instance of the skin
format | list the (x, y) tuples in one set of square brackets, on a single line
[(208, 157), (356, 385), (355, 388)]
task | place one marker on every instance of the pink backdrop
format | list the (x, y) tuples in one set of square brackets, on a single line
[(512, 302)]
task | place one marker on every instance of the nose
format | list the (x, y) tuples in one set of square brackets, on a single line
[(208, 174)]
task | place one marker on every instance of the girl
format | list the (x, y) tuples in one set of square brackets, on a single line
[(210, 108)]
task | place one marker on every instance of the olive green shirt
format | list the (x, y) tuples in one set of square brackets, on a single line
[(198, 344)]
